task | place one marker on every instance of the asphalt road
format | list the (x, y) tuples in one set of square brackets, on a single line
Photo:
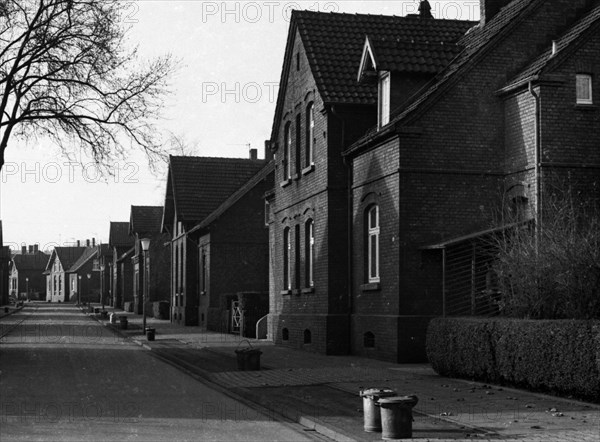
[(65, 377)]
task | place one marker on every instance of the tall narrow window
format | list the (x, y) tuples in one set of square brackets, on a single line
[(373, 243), (203, 273), (384, 99), (298, 144), (310, 135), (297, 278), (287, 152), (309, 250), (584, 89), (287, 252)]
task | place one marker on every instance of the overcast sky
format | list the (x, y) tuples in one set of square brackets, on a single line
[(223, 99)]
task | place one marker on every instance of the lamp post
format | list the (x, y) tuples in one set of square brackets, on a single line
[(102, 267), (89, 276), (79, 291), (27, 287), (145, 246)]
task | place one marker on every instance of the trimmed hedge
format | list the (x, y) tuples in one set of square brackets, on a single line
[(559, 356)]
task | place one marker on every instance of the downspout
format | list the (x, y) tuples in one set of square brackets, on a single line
[(538, 167), (349, 248)]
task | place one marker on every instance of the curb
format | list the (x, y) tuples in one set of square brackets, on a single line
[(201, 375)]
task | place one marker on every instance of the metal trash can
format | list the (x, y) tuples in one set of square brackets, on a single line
[(150, 333), (396, 416), (123, 320), (371, 413), (248, 359)]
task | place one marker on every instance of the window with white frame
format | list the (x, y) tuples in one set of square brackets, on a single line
[(287, 153), (310, 134), (384, 99), (584, 89), (287, 255), (372, 243), (309, 249)]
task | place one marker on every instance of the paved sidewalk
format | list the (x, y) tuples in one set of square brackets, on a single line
[(321, 392)]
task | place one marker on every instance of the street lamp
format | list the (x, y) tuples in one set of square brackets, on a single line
[(79, 291), (89, 276), (102, 267), (145, 246), (27, 287)]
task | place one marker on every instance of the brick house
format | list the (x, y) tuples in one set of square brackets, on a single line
[(57, 272), (321, 110), (233, 259), (152, 272), (27, 278), (84, 277), (196, 186), (491, 128), (120, 270)]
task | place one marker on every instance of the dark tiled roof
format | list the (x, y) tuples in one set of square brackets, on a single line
[(67, 256), (145, 219), (119, 235), (104, 250), (547, 59), (334, 44), (198, 185), (397, 55), (474, 43), (88, 253), (31, 261), (229, 202)]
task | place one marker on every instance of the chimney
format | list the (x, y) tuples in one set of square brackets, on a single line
[(23, 250), (35, 248), (31, 249), (87, 242), (78, 243), (268, 150), (93, 242), (489, 8), (253, 154), (425, 9)]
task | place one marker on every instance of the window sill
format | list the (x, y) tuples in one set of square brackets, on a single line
[(308, 169), (286, 182), (308, 290), (285, 292), (586, 106), (371, 287)]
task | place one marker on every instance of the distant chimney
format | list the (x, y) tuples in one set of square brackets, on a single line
[(23, 250), (78, 243), (489, 8), (253, 154), (87, 242), (35, 248), (425, 9), (30, 249), (93, 242)]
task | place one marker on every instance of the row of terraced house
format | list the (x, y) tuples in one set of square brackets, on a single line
[(394, 142)]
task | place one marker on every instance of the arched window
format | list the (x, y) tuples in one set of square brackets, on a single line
[(307, 336), (372, 249), (369, 340), (285, 334), (309, 250), (287, 255), (287, 152), (310, 135)]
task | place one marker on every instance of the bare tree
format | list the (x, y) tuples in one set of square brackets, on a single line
[(66, 74)]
